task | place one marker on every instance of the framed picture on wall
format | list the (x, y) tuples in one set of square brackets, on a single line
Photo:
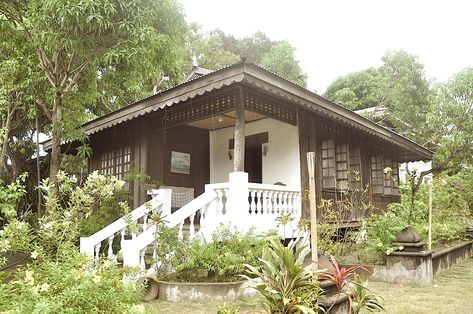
[(180, 162)]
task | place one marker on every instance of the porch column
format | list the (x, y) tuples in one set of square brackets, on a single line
[(239, 147)]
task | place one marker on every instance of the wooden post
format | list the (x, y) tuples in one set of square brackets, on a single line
[(239, 147), (429, 243), (313, 209)]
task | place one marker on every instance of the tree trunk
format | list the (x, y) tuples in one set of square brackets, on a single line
[(38, 168), (3, 153), (56, 116)]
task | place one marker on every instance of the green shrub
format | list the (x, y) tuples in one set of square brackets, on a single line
[(381, 231), (221, 259), (108, 211), (285, 285), (68, 285), (10, 196), (59, 279), (444, 231)]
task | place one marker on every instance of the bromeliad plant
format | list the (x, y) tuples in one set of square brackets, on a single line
[(347, 281), (340, 276), (286, 286)]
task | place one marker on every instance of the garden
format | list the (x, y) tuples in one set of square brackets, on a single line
[(66, 63), (278, 278)]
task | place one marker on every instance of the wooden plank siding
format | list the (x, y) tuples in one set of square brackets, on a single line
[(185, 139), (313, 130)]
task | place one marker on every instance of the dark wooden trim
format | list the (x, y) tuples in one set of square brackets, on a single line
[(251, 140), (270, 107)]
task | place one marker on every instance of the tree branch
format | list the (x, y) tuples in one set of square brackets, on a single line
[(77, 76), (45, 109)]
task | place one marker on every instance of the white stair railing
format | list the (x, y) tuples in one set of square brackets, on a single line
[(258, 208), (237, 204), (207, 206), (120, 229)]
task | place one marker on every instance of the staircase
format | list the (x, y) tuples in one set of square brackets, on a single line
[(237, 204)]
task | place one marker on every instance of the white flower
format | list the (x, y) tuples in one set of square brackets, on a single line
[(107, 264), (44, 287), (29, 277), (96, 279), (34, 254)]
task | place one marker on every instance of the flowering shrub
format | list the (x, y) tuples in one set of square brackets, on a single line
[(68, 285), (59, 279)]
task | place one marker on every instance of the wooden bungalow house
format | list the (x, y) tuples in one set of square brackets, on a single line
[(238, 137)]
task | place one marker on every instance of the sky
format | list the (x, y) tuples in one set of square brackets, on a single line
[(336, 37)]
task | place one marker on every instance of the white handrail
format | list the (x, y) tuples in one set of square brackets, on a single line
[(88, 244), (133, 247), (237, 204), (271, 187)]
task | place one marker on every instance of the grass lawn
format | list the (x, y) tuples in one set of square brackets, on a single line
[(451, 292)]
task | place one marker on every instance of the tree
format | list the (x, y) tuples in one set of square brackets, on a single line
[(72, 39), (216, 49), (438, 116), (124, 81), (281, 59), (399, 86), (408, 96), (451, 124), (208, 49), (253, 47), (17, 108), (358, 90)]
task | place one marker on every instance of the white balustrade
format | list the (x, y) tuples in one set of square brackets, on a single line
[(269, 202), (236, 204), (91, 245), (134, 249)]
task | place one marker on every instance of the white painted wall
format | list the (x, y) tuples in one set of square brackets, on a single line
[(281, 163)]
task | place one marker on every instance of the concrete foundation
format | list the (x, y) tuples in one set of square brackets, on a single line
[(411, 265), (177, 291)]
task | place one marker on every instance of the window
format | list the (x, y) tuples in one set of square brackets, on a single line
[(395, 178), (341, 159), (328, 164), (377, 174), (355, 168), (384, 182), (116, 163), (388, 180)]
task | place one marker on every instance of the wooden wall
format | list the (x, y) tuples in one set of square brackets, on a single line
[(313, 129), (183, 139)]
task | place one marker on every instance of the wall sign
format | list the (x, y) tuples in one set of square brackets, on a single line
[(180, 162)]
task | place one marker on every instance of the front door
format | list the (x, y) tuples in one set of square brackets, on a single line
[(254, 163), (253, 155)]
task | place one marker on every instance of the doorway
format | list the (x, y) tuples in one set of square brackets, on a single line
[(253, 155), (254, 163)]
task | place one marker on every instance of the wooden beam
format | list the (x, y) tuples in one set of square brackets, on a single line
[(239, 150)]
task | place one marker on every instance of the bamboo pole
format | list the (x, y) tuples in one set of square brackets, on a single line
[(429, 243), (313, 209)]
